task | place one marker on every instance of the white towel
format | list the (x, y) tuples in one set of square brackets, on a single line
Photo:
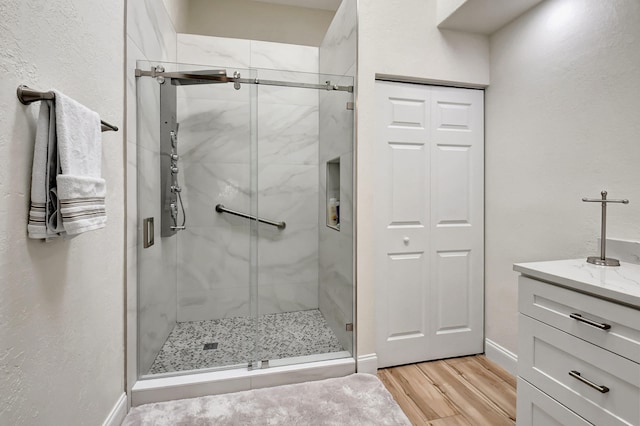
[(72, 199)]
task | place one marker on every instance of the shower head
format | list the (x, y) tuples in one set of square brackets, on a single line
[(188, 78)]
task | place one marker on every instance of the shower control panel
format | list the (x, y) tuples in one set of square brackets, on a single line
[(173, 212), (173, 157), (175, 187)]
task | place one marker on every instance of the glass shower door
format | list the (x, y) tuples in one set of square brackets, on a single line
[(156, 256), (304, 268), (245, 186), (216, 253), (202, 141)]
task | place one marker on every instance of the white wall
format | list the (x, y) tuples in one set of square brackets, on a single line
[(61, 303), (399, 37), (252, 20), (561, 124)]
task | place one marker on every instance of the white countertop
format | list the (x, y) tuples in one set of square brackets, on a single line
[(617, 283)]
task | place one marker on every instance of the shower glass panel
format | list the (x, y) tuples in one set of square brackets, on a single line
[(243, 271)]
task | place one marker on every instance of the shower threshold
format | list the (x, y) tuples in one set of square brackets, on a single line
[(198, 345)]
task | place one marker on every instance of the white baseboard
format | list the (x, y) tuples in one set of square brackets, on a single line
[(368, 364), (118, 412), (501, 356)]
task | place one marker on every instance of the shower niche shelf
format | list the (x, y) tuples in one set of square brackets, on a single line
[(332, 202)]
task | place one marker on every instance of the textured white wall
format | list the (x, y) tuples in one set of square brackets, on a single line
[(399, 37), (61, 303), (561, 123)]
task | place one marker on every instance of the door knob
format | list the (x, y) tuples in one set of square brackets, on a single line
[(406, 241)]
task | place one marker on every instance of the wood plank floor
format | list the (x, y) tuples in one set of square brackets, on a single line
[(453, 392)]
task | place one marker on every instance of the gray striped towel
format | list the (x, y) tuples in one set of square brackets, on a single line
[(67, 190)]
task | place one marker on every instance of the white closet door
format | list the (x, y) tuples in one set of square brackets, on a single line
[(429, 222)]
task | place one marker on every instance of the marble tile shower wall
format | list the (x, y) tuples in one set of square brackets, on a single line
[(335, 283), (150, 36), (213, 253)]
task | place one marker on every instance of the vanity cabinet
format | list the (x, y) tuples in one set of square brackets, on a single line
[(579, 344)]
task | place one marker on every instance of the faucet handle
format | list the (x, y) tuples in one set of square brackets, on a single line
[(174, 139)]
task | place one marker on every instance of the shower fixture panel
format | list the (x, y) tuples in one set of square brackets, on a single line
[(171, 197), (169, 170)]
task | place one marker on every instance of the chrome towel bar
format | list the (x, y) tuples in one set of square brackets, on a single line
[(27, 95), (222, 209)]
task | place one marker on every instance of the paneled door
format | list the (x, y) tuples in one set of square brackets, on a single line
[(429, 204)]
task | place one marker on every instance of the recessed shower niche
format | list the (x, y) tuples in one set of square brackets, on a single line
[(333, 194)]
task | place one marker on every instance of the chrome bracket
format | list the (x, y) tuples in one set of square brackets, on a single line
[(158, 69), (236, 77)]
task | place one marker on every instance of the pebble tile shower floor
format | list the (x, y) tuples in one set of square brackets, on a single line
[(284, 335)]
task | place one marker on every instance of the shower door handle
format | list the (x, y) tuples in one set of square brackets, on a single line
[(148, 232), (222, 209)]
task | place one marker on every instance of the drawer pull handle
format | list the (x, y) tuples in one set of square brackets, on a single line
[(576, 375), (601, 326)]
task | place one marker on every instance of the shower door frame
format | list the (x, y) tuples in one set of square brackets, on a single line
[(148, 388)]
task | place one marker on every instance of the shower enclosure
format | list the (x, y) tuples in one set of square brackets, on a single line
[(245, 212)]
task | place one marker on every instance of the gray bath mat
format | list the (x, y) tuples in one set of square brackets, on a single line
[(358, 399)]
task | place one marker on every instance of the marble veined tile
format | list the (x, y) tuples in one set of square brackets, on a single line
[(133, 54), (210, 258), (207, 184), (148, 114), (214, 304), (214, 131), (281, 56), (132, 195), (336, 125), (338, 49), (286, 95), (288, 134), (277, 298), (335, 255), (216, 51), (289, 256), (289, 192), (151, 29), (335, 316), (148, 179), (156, 297), (270, 94)]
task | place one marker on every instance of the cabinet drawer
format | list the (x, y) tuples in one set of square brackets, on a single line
[(553, 305), (535, 408), (547, 356)]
